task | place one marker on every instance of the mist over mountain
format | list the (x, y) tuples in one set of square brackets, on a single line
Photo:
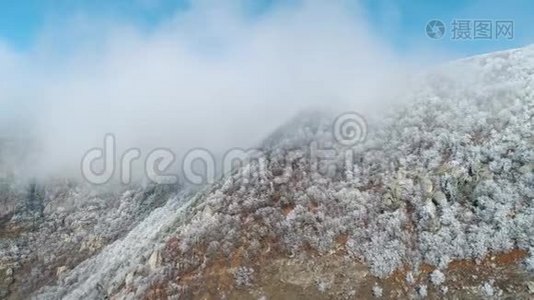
[(156, 149), (434, 201), (209, 78)]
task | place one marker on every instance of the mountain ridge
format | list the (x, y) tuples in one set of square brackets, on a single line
[(441, 186)]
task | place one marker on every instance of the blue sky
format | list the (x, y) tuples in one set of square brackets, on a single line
[(399, 23), (402, 23)]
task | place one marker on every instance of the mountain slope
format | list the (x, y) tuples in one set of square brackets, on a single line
[(437, 201), (443, 181)]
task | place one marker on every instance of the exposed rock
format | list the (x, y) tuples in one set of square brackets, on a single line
[(155, 260), (93, 244), (61, 270), (129, 278)]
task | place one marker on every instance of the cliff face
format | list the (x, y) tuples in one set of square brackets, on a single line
[(437, 201)]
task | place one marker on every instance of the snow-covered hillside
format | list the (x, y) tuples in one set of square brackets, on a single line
[(443, 187)]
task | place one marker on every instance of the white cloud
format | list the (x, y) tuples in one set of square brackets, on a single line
[(207, 78)]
